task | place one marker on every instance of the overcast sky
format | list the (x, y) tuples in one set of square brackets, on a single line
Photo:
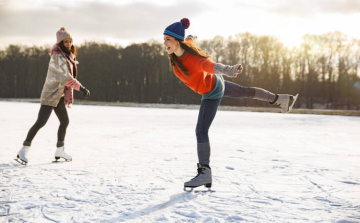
[(126, 21)]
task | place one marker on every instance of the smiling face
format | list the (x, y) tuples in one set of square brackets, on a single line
[(68, 43), (171, 44)]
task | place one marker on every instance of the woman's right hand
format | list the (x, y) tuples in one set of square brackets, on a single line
[(191, 37), (85, 91), (240, 68)]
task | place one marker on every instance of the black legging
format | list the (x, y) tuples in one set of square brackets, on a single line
[(43, 117)]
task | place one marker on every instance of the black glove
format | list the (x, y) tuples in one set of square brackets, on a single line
[(85, 91)]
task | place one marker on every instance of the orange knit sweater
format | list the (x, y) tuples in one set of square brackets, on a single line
[(201, 72)]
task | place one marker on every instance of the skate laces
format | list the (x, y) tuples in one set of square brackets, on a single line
[(281, 100), (281, 103), (200, 170)]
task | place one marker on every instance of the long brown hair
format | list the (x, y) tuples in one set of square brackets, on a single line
[(73, 50), (189, 47), (63, 48)]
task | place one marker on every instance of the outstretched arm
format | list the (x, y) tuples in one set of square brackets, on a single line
[(230, 71), (207, 65)]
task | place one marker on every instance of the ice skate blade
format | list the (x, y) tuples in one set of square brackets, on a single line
[(198, 191), (208, 186), (61, 161), (190, 190), (292, 104), (20, 161), (204, 191)]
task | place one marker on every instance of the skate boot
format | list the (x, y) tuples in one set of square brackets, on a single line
[(202, 178), (22, 155), (60, 153), (286, 102)]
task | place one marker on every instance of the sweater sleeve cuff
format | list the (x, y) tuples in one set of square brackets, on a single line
[(73, 84)]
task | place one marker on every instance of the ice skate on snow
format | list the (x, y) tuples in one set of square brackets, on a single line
[(21, 156), (202, 178), (60, 153), (286, 102)]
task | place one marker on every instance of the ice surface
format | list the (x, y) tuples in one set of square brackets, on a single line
[(129, 165)]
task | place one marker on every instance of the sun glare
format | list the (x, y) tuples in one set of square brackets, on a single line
[(291, 40)]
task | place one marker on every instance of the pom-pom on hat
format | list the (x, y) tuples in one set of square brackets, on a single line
[(62, 34), (177, 29)]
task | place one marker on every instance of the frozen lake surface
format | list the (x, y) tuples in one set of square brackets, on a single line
[(129, 165)]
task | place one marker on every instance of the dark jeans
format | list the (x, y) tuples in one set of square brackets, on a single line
[(208, 108), (43, 117)]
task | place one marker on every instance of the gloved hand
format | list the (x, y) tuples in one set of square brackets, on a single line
[(191, 37), (85, 91)]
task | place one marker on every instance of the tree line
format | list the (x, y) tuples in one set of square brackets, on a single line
[(323, 70)]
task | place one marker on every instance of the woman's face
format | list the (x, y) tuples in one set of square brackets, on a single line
[(68, 43), (171, 44)]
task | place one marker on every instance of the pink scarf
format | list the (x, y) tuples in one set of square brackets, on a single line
[(69, 99)]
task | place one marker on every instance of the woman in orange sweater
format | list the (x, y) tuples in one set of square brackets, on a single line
[(203, 76)]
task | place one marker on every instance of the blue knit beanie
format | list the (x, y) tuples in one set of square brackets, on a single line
[(177, 29)]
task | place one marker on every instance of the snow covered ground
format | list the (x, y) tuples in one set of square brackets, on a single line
[(129, 165)]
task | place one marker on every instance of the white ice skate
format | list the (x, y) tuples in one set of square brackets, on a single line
[(286, 102), (60, 153), (202, 178), (22, 155)]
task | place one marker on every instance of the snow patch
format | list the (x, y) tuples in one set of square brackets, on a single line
[(283, 168)]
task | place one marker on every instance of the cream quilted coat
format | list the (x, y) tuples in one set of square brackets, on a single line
[(58, 74)]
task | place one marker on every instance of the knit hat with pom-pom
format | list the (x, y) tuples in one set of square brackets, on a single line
[(177, 29), (62, 34)]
